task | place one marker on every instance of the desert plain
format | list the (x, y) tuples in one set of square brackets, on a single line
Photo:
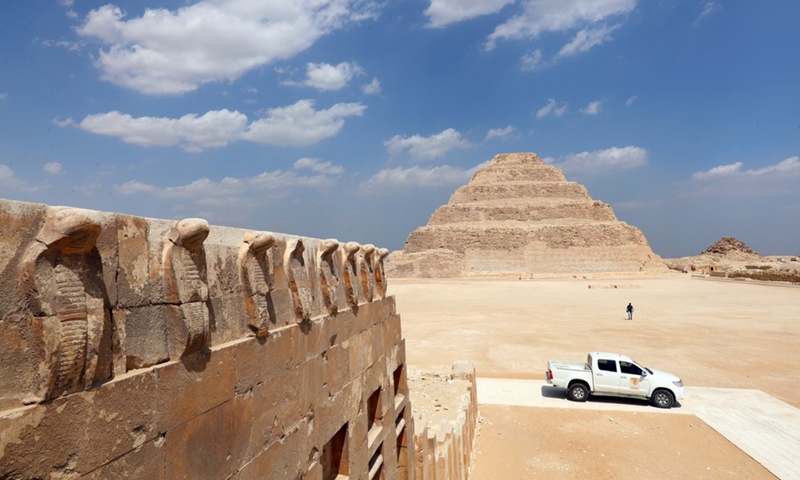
[(723, 334)]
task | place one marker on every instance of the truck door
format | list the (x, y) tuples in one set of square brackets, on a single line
[(606, 376), (632, 381)]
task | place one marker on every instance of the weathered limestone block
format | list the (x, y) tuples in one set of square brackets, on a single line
[(184, 266), (254, 273), (144, 342), (75, 434), (63, 281), (366, 272), (300, 283), (379, 271), (474, 193), (350, 272), (328, 281)]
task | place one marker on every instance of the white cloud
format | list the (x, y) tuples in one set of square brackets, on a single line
[(372, 88), (175, 51), (541, 16), (300, 125), (788, 168), (709, 8), (500, 132), (399, 179), (324, 76), (427, 148), (551, 108), (600, 161), (295, 125), (630, 101), (3, 96), (318, 166), (53, 168), (732, 180), (441, 13), (593, 108), (532, 61), (9, 180), (587, 38), (229, 191), (63, 123)]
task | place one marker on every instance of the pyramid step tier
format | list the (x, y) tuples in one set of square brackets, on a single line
[(511, 235), (562, 212), (513, 190), (498, 173)]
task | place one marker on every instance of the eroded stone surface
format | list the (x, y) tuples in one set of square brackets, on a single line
[(145, 348), (520, 217)]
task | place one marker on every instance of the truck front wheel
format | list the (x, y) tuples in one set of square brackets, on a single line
[(663, 399), (578, 392)]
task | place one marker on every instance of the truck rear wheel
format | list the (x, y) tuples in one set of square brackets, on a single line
[(578, 392), (663, 399)]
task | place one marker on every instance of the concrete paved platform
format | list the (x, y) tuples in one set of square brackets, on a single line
[(760, 425)]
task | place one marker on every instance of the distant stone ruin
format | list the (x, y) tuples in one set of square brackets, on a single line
[(521, 217), (731, 258), (728, 245)]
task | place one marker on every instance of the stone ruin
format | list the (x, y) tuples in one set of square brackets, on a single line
[(142, 348), (729, 246), (521, 217)]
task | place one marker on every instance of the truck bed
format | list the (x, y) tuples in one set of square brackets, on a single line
[(565, 365)]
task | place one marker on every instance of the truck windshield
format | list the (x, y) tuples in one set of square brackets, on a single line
[(648, 370)]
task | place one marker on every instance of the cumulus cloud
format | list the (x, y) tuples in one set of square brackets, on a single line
[(372, 88), (630, 101), (427, 148), (175, 51), (593, 108), (733, 180), (9, 180), (324, 76), (53, 168), (500, 132), (318, 166), (551, 108), (586, 39), (541, 16), (300, 124), (399, 179), (532, 61), (600, 161), (295, 125), (232, 191), (441, 13), (786, 168)]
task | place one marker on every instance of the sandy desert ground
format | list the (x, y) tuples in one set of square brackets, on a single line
[(710, 333)]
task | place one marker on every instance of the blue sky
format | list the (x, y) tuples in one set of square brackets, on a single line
[(355, 119)]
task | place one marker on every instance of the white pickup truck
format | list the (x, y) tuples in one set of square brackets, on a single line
[(616, 375)]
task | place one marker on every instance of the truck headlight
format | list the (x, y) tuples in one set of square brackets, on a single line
[(678, 383)]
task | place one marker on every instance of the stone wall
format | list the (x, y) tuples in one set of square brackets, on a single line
[(142, 348), (445, 447)]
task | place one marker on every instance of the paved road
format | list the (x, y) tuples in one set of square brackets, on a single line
[(762, 426)]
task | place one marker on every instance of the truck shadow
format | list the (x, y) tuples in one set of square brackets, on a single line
[(561, 394)]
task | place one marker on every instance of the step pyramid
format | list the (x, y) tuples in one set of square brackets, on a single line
[(521, 217)]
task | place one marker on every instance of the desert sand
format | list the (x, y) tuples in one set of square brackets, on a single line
[(710, 333)]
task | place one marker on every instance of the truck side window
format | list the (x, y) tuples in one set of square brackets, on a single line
[(607, 365), (629, 368)]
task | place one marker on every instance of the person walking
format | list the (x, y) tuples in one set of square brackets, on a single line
[(629, 309)]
